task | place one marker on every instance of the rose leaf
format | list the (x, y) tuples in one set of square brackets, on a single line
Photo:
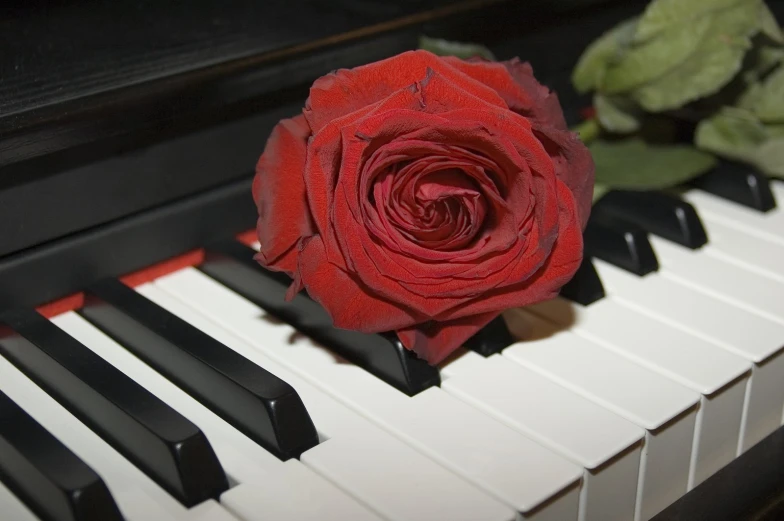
[(713, 65), (766, 99), (617, 114), (776, 130), (661, 14), (462, 50), (770, 157), (593, 62), (634, 164), (759, 62), (646, 61), (769, 26), (737, 134), (734, 133)]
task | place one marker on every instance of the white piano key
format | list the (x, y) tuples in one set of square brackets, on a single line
[(461, 361), (664, 408), (12, 507), (777, 187), (768, 225), (210, 510), (744, 249), (758, 338), (720, 376), (604, 444), (126, 482), (751, 336), (721, 279), (415, 502), (274, 499), (359, 457), (493, 457), (284, 491)]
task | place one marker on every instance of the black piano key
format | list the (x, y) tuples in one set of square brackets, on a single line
[(585, 287), (256, 402), (54, 483), (658, 213), (157, 439), (231, 263), (738, 183), (621, 243), (491, 339)]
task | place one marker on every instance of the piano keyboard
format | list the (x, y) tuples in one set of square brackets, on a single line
[(186, 398)]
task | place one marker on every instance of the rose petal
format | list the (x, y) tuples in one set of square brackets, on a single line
[(574, 166), (348, 90), (434, 341), (348, 302), (557, 270), (515, 83), (279, 193)]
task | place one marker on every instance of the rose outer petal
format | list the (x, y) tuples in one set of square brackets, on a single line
[(345, 298), (574, 166), (279, 193), (347, 90), (515, 83), (434, 341)]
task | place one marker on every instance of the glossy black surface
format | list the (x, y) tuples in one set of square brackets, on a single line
[(153, 436), (491, 339), (383, 355), (256, 402), (585, 287), (79, 197), (657, 213), (52, 481), (738, 183), (620, 243), (110, 108), (750, 488), (60, 268), (68, 69)]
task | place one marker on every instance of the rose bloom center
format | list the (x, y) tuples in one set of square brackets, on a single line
[(433, 202)]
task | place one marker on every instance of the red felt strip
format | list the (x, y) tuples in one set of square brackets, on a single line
[(137, 278), (248, 238), (63, 305), (150, 273)]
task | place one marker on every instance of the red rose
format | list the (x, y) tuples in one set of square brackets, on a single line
[(424, 195)]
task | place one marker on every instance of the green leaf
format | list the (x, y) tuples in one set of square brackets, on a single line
[(734, 133), (651, 59), (587, 130), (766, 99), (770, 157), (633, 164), (737, 134), (617, 114), (660, 15), (769, 25), (775, 131), (713, 65), (461, 50), (598, 192), (760, 61), (592, 64)]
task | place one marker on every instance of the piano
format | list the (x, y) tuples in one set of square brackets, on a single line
[(150, 370)]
